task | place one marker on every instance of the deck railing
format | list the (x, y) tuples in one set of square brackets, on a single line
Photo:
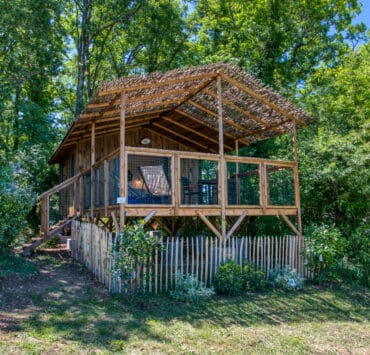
[(164, 178)]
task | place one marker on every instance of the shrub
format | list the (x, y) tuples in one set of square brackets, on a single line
[(131, 253), (229, 279), (254, 278), (358, 261), (53, 242), (324, 247), (15, 204), (189, 289), (285, 278)]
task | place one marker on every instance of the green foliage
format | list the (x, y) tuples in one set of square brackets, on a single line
[(355, 267), (335, 153), (253, 277), (53, 242), (229, 279), (189, 289), (285, 278), (15, 202), (131, 252), (282, 42), (325, 246)]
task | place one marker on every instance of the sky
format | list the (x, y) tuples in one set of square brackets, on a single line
[(365, 14)]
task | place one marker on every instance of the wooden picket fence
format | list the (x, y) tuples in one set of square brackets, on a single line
[(198, 255)]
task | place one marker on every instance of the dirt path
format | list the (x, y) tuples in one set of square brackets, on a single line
[(58, 274)]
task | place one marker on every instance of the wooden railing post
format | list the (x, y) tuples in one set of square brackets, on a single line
[(45, 215), (106, 187), (263, 186)]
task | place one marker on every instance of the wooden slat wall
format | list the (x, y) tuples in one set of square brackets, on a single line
[(196, 255)]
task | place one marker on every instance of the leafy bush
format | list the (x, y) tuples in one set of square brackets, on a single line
[(358, 260), (15, 204), (229, 279), (325, 246), (285, 278), (53, 242), (189, 289), (254, 278), (131, 253)]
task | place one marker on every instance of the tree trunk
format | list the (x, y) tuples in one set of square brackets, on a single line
[(83, 55)]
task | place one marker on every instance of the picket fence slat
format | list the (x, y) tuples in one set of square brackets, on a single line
[(197, 255)]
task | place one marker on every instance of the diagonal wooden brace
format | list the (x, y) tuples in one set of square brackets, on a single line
[(209, 224), (236, 224)]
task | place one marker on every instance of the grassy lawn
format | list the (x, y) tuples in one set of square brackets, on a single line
[(61, 310)]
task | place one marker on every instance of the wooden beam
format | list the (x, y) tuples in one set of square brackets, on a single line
[(180, 135), (209, 224), (106, 187), (290, 224), (92, 176), (236, 224), (45, 215), (237, 180), (222, 166), (296, 179), (244, 112), (260, 98), (225, 118), (116, 225), (122, 162), (149, 216), (166, 137), (200, 134), (205, 124)]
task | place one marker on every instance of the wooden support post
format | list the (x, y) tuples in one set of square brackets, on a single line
[(122, 161), (75, 197), (106, 187), (80, 195), (116, 225), (290, 224), (149, 216), (237, 182), (296, 178), (222, 177), (45, 215), (263, 186), (209, 224), (236, 224), (92, 175)]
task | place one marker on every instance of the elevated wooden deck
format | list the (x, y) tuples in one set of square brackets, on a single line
[(252, 186)]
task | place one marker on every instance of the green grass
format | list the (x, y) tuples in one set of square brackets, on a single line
[(11, 264), (316, 320)]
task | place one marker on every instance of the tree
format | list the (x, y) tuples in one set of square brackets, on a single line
[(335, 152), (30, 55), (281, 42)]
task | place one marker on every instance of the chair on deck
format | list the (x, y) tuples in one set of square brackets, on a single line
[(188, 191), (156, 182)]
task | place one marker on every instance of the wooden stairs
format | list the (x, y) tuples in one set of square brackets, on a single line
[(29, 248)]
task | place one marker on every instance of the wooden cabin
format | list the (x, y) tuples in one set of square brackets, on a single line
[(167, 145)]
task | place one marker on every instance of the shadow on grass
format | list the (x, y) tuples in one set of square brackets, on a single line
[(89, 316)]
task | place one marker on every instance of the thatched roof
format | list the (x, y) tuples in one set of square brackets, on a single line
[(182, 104)]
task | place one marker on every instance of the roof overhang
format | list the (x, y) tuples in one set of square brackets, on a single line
[(182, 105)]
